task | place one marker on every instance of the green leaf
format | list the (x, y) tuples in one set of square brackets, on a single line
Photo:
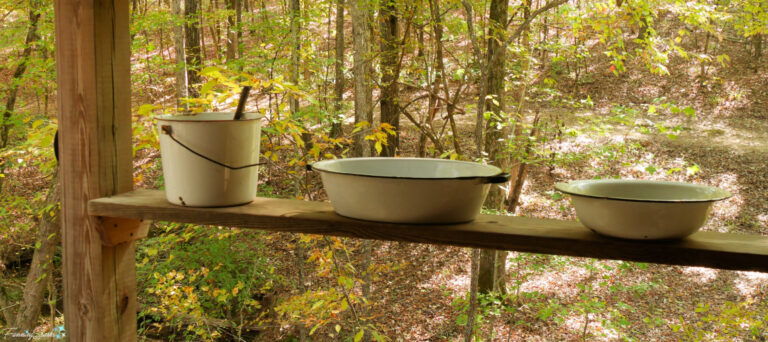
[(211, 71), (315, 328), (359, 335), (689, 111), (317, 304), (347, 282), (377, 336), (146, 109), (651, 109), (692, 170), (344, 305), (208, 86)]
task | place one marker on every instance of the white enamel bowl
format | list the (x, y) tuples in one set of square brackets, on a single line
[(642, 210), (407, 190)]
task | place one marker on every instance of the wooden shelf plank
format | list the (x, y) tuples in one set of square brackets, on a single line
[(718, 250)]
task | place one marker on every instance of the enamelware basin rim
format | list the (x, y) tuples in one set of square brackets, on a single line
[(226, 116), (318, 166), (572, 188)]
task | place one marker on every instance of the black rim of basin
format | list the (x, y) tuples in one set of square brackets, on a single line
[(570, 188)]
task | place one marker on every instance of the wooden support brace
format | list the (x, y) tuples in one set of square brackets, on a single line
[(115, 230)]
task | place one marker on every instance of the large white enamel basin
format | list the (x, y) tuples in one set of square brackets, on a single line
[(407, 190)]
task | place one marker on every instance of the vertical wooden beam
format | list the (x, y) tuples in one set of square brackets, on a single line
[(93, 68)]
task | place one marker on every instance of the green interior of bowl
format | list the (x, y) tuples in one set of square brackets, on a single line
[(421, 168), (641, 190)]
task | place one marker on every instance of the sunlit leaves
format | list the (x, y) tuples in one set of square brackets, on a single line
[(194, 275)]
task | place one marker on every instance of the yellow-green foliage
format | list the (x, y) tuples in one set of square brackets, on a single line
[(193, 274)]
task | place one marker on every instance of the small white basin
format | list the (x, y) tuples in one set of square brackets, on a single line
[(639, 209)]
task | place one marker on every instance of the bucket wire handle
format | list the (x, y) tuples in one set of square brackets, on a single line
[(169, 131)]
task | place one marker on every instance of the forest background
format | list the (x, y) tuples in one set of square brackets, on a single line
[(548, 90)]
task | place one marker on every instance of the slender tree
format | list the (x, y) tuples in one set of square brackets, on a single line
[(390, 72), (360, 11), (295, 15), (10, 102), (178, 46), (494, 90), (491, 269), (239, 24), (192, 46), (48, 237), (441, 80), (473, 272), (5, 129), (338, 71), (232, 36), (21, 68), (362, 22)]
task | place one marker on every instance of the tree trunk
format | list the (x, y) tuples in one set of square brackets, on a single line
[(500, 273), (492, 97), (390, 72), (441, 79), (435, 104), (48, 237), (702, 62), (232, 42), (239, 25), (472, 307), (5, 128), (301, 258), (6, 309), (295, 13), (213, 27), (10, 102), (178, 46), (338, 86), (365, 265), (360, 11), (492, 271), (486, 270), (496, 70), (480, 115), (526, 17), (192, 47), (201, 25), (495, 129)]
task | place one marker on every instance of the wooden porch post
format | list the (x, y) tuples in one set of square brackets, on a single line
[(93, 68)]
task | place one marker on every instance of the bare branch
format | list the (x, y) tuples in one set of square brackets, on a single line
[(524, 25)]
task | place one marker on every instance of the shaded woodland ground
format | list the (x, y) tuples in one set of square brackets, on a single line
[(284, 287)]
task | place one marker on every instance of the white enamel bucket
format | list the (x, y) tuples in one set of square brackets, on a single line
[(209, 159)]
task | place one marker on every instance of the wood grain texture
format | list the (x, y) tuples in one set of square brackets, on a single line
[(710, 249), (93, 74), (113, 85), (116, 230)]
